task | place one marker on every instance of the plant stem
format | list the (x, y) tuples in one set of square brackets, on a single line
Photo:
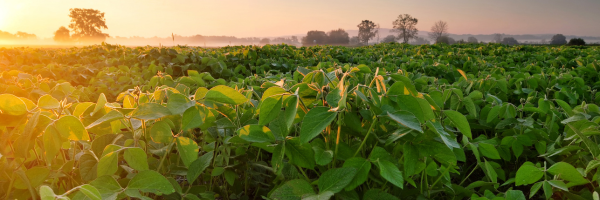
[(162, 160), (366, 136), (438, 179), (474, 168), (337, 141)]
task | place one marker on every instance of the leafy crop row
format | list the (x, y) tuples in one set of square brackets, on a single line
[(387, 121)]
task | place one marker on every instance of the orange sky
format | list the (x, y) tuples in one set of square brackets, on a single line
[(247, 18)]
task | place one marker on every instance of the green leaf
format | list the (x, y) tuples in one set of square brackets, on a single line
[(489, 150), (321, 196), (565, 106), (100, 104), (150, 111), (363, 166), (292, 190), (411, 157), (272, 91), (200, 93), (335, 180), (110, 116), (300, 154), (151, 181), (470, 106), (315, 121), (391, 173), (547, 189), (88, 167), (269, 109), (178, 103), (188, 150), (70, 127), (108, 187), (290, 111), (256, 133), (226, 95), (108, 164), (591, 145), (52, 142), (161, 132), (193, 117), (48, 102), (410, 104), (230, 176), (567, 172), (535, 188), (277, 157), (559, 184), (90, 191), (515, 195), (198, 166), (406, 119), (35, 176), (136, 158), (376, 194), (493, 114), (322, 156), (490, 172), (446, 138), (460, 121), (12, 105), (528, 174), (46, 193)]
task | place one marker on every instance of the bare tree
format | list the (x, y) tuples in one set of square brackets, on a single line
[(406, 28), (439, 29), (498, 37), (366, 31)]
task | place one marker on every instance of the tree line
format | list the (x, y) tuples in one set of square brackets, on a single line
[(86, 26)]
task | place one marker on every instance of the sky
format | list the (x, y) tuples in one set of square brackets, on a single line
[(270, 18)]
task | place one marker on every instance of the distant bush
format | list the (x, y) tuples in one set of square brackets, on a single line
[(389, 38), (558, 39), (445, 40), (577, 41), (510, 41), (265, 41)]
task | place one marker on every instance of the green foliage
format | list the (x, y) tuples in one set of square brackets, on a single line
[(468, 121)]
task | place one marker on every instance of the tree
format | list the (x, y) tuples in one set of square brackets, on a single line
[(377, 30), (498, 37), (25, 36), (389, 38), (558, 39), (420, 41), (86, 25), (439, 29), (294, 39), (314, 38), (354, 40), (472, 40), (509, 41), (366, 31), (445, 40), (577, 41), (338, 37), (62, 35), (265, 41), (406, 28)]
